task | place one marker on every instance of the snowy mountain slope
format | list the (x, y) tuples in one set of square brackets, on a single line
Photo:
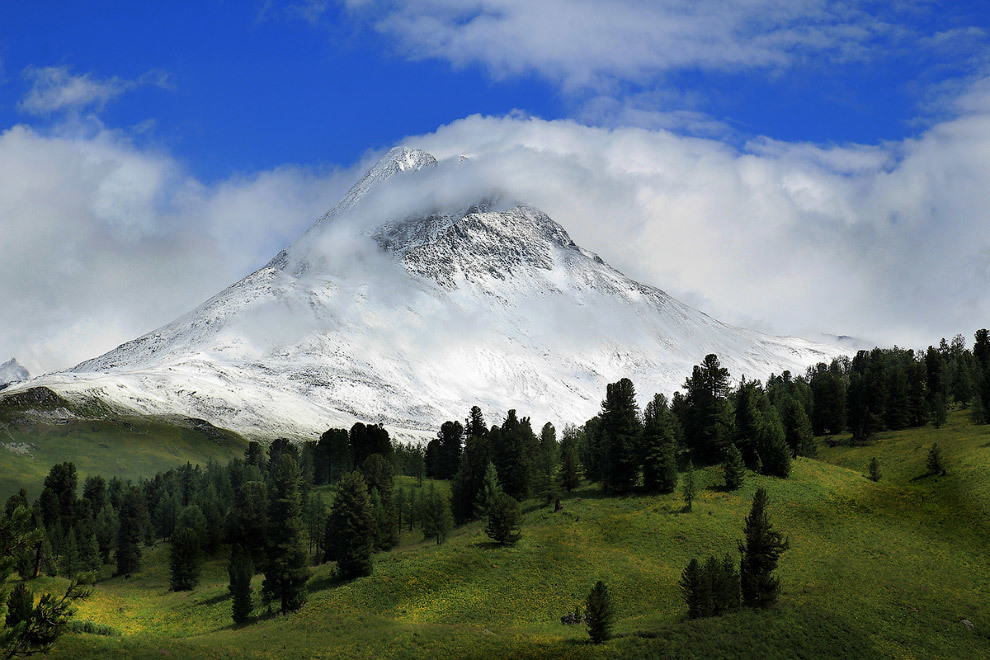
[(12, 372), (410, 318)]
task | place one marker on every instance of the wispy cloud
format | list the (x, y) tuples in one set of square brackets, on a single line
[(57, 89)]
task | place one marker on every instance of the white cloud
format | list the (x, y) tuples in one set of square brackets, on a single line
[(582, 43), (102, 241), (57, 89)]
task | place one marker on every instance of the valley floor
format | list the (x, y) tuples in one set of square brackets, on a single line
[(875, 570)]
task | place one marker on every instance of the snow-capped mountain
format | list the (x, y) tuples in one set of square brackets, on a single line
[(409, 315), (12, 372)]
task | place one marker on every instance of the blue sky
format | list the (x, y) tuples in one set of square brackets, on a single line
[(795, 166), (241, 86)]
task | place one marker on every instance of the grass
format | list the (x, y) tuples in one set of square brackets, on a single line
[(883, 570), (125, 447)]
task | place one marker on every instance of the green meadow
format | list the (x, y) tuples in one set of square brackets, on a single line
[(125, 447), (875, 570)]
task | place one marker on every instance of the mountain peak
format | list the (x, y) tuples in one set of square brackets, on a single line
[(12, 372)]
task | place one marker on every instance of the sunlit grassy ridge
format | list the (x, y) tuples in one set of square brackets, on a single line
[(882, 569), (125, 447)]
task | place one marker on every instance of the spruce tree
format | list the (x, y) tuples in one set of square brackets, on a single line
[(874, 473), (600, 610), (489, 492), (761, 548), (728, 591), (707, 589), (285, 559), (659, 441), (688, 489), (240, 570), (129, 537), (20, 605), (503, 520), (350, 537), (248, 520), (771, 444), (936, 465), (547, 462), (570, 470), (690, 586), (797, 428), (735, 471), (183, 559), (621, 431), (437, 517)]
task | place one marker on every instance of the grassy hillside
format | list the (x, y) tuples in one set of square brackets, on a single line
[(882, 569), (33, 437)]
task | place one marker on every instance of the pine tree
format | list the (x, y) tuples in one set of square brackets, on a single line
[(503, 520), (600, 610), (129, 537), (489, 492), (248, 520), (621, 431), (240, 571), (351, 528), (735, 471), (437, 517), (20, 605), (708, 586), (936, 464), (570, 470), (874, 469), (771, 444), (547, 463), (690, 586), (285, 559), (727, 594), (797, 428), (659, 442), (183, 559), (688, 489), (761, 549)]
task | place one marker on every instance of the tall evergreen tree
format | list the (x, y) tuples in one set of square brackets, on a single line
[(688, 489), (797, 428), (489, 492), (761, 548), (570, 469), (450, 439), (659, 442), (184, 559), (690, 587), (706, 425), (131, 511), (351, 528), (621, 432), (600, 610), (734, 470), (437, 517), (247, 523), (549, 447), (285, 559), (240, 570), (503, 520), (475, 426)]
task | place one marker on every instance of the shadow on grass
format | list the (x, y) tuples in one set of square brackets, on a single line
[(328, 581), (219, 598)]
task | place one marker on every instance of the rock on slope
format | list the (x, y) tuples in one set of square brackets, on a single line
[(410, 317)]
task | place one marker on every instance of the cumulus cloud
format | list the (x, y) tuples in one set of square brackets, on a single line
[(890, 242), (57, 89), (584, 43), (103, 241)]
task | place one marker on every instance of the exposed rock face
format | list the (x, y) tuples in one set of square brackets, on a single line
[(478, 303)]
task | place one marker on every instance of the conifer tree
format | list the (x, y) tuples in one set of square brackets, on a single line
[(775, 454), (570, 471), (659, 441), (728, 591), (20, 605), (240, 570), (248, 520), (503, 520), (183, 559), (688, 489), (690, 586), (797, 428), (874, 473), (285, 559), (547, 462), (489, 492), (621, 431), (761, 548), (437, 517), (600, 610), (734, 470), (351, 528), (935, 463), (708, 586), (129, 537)]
